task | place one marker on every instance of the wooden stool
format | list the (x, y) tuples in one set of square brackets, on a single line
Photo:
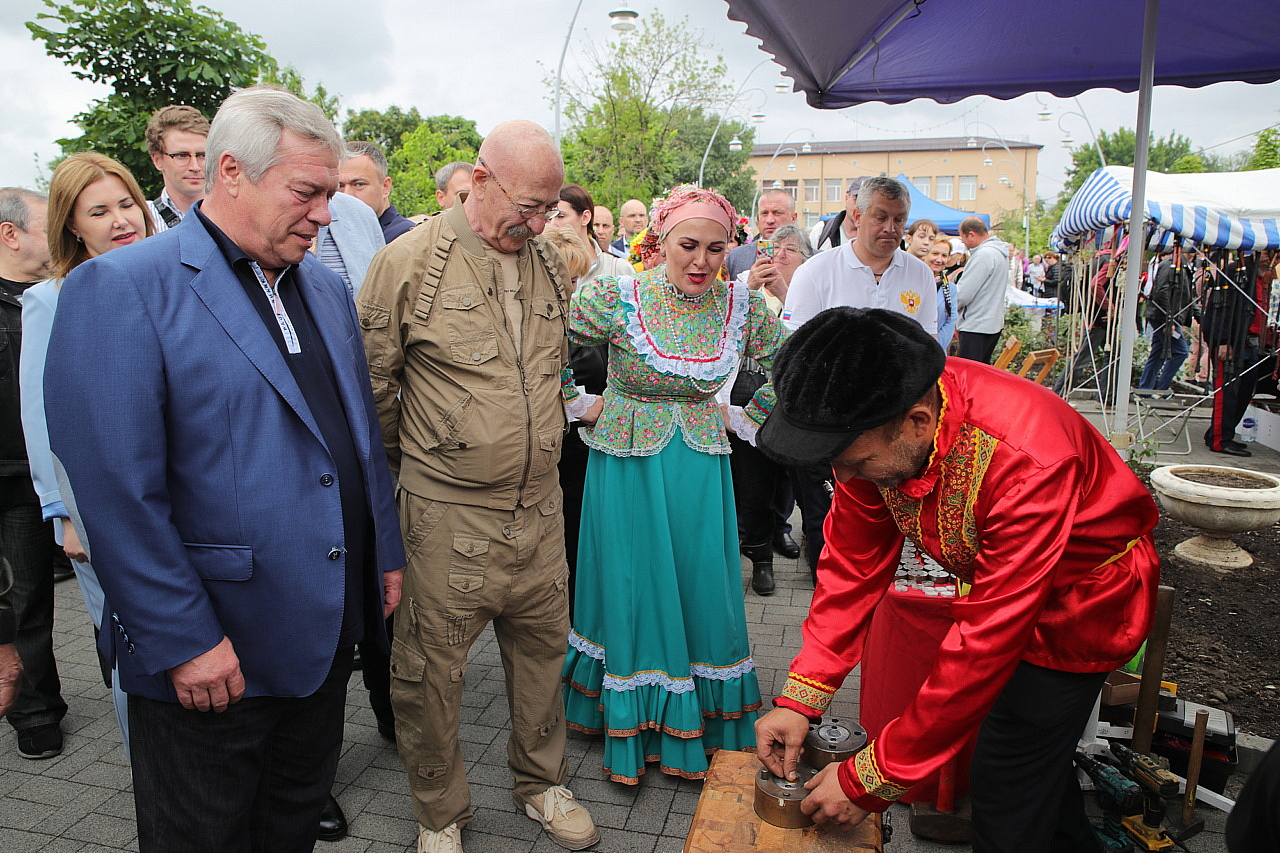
[(726, 819)]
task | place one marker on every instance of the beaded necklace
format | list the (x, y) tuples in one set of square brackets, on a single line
[(669, 312)]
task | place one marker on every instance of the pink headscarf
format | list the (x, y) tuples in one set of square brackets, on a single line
[(685, 202)]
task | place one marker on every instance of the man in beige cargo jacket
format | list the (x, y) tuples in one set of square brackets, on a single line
[(464, 325)]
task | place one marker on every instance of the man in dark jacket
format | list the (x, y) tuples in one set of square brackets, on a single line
[(25, 537), (1169, 310), (1235, 301)]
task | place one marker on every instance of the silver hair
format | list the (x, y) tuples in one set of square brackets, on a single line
[(249, 125), (446, 172), (15, 206), (373, 152), (891, 189), (793, 232)]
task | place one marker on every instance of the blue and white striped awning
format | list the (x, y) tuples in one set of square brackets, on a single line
[(1230, 210)]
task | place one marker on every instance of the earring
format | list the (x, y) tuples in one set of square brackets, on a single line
[(79, 239)]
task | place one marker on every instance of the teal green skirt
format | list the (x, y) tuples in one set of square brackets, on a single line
[(659, 659)]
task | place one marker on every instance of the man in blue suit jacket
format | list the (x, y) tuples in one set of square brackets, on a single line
[(210, 401)]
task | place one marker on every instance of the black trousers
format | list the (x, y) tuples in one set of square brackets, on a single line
[(977, 346), (1234, 382), (375, 672), (761, 492), (815, 503), (1023, 784), (252, 779), (26, 541)]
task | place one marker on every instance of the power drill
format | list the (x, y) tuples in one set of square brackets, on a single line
[(1118, 796), (1157, 783)]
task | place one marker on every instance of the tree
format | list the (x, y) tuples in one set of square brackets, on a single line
[(152, 53), (1266, 151), (727, 171), (386, 128), (626, 112), (436, 140), (1119, 148)]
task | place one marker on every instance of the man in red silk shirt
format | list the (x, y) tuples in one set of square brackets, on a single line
[(1024, 501)]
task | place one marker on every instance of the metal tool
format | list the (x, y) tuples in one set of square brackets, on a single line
[(778, 800), (832, 740)]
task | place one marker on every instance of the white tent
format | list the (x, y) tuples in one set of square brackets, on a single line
[(1230, 210)]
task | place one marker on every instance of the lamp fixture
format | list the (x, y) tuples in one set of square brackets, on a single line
[(972, 143), (735, 144), (757, 118), (986, 161), (791, 167), (781, 87), (806, 148), (624, 20), (1044, 114)]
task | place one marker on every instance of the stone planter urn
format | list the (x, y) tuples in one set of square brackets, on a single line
[(1220, 502)]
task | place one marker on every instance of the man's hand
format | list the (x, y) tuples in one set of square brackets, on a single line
[(391, 582), (828, 804), (779, 736), (10, 676), (763, 274), (210, 681), (71, 542)]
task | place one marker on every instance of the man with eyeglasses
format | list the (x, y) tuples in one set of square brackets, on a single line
[(464, 326), (175, 140)]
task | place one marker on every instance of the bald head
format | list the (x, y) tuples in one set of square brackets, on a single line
[(516, 182), (633, 216)]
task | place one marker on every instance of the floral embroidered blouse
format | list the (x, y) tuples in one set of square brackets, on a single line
[(668, 355)]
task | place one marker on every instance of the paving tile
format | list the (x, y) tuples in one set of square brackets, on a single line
[(105, 830)]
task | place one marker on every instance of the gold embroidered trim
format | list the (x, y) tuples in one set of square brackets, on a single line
[(806, 691), (875, 783)]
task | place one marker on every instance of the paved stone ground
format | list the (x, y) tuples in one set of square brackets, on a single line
[(82, 800)]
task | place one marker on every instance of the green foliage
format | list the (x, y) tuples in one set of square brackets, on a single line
[(436, 140), (153, 53), (1266, 151), (628, 113), (1042, 219), (1188, 164), (1119, 147), (290, 79), (386, 128)]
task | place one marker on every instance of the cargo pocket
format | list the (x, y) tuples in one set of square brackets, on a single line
[(418, 517), (467, 563)]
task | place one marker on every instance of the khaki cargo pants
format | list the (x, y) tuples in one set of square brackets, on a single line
[(468, 566)]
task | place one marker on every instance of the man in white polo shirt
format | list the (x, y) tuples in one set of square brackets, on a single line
[(871, 271)]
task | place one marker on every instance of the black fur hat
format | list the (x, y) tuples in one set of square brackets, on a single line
[(846, 371)]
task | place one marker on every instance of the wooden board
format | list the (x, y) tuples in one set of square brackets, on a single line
[(726, 820)]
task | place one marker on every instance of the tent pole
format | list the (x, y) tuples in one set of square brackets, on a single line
[(1120, 435)]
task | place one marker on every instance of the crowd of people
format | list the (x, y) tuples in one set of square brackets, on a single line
[(292, 432)]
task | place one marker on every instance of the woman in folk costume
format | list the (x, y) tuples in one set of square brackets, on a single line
[(659, 659)]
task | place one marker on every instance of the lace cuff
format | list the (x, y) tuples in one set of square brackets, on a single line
[(579, 405), (742, 426)]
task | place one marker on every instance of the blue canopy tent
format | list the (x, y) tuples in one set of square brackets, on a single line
[(846, 52), (946, 218), (1229, 210)]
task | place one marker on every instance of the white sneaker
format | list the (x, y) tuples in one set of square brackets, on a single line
[(447, 840), (564, 818)]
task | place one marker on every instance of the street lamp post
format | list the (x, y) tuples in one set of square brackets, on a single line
[(1026, 201), (806, 148), (702, 167), (623, 22)]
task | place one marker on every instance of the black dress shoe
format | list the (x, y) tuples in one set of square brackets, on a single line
[(333, 823), (1233, 448), (387, 728), (786, 546)]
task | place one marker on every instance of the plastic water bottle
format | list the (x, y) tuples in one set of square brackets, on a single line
[(1248, 430)]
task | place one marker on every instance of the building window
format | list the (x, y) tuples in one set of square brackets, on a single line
[(792, 187), (944, 188), (811, 188), (968, 187), (811, 219), (925, 185), (833, 189)]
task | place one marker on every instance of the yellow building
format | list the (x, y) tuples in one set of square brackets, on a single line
[(978, 174)]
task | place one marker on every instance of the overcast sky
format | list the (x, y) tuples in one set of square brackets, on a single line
[(486, 60)]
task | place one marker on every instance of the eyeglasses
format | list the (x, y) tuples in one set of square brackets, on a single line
[(525, 212), (182, 158)]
